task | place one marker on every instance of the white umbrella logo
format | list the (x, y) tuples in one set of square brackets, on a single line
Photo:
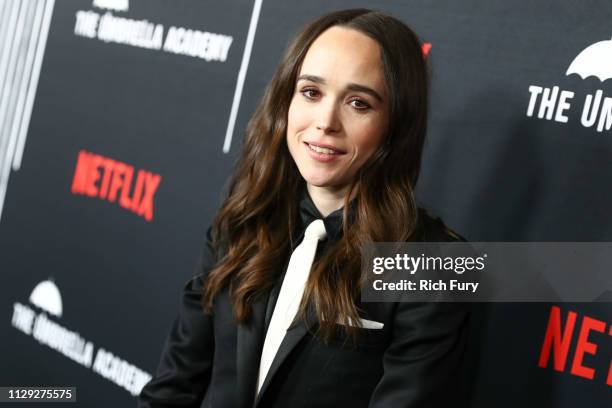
[(47, 296), (594, 60)]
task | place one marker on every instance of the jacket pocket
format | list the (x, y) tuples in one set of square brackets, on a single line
[(364, 324)]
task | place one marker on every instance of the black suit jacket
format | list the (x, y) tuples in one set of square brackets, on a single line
[(415, 360)]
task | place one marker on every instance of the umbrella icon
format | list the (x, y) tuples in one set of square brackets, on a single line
[(594, 60), (47, 296)]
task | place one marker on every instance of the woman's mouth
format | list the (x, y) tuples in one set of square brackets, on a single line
[(322, 153)]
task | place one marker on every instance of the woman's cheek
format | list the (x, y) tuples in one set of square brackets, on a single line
[(366, 138), (296, 119)]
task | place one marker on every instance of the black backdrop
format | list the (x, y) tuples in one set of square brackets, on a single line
[(492, 171)]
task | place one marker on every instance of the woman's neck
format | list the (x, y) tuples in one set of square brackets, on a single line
[(326, 199)]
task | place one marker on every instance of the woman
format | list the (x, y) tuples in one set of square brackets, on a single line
[(337, 137)]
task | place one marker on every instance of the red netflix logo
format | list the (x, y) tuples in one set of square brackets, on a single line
[(108, 179), (558, 340)]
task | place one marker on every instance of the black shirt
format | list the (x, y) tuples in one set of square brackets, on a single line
[(308, 213)]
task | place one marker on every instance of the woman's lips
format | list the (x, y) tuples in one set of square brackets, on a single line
[(325, 154)]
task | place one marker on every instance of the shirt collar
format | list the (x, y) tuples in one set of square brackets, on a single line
[(309, 213)]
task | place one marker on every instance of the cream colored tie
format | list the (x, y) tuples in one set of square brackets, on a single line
[(290, 295)]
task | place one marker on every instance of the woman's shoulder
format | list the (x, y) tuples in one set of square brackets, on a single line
[(433, 229)]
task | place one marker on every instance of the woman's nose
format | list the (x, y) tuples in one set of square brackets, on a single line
[(328, 119)]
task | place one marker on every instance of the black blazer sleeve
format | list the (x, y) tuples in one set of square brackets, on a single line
[(424, 364), (184, 371)]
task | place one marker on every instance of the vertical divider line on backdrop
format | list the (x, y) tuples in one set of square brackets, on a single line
[(244, 65), (23, 38)]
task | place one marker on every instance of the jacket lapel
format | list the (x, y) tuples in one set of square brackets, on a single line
[(293, 336), (251, 339), (249, 344)]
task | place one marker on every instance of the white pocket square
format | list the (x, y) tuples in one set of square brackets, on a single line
[(365, 323)]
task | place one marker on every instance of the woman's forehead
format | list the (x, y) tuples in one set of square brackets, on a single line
[(343, 54)]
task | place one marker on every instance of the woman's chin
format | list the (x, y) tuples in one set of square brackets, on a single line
[(325, 183), (318, 180)]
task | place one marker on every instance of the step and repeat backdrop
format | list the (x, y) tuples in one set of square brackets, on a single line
[(120, 121)]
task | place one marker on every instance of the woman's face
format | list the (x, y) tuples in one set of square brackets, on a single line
[(339, 112)]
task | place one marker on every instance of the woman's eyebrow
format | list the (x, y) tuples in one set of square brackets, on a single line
[(364, 89), (351, 86)]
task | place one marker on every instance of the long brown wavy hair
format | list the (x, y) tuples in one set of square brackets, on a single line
[(254, 230)]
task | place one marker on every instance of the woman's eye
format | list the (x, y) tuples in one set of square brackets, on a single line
[(359, 104), (310, 93)]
